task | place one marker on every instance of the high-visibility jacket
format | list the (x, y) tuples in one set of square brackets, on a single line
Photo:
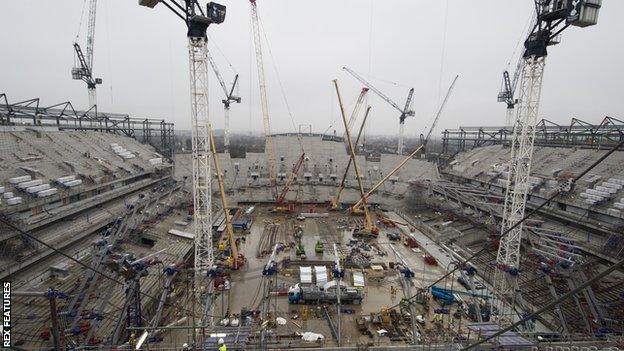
[(223, 348)]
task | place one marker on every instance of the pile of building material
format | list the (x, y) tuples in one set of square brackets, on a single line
[(121, 151)]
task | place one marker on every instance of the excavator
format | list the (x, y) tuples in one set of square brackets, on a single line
[(235, 260), (369, 228)]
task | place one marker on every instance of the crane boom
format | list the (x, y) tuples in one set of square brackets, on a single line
[(335, 202), (228, 219), (356, 108), (437, 116), (405, 112), (364, 197), (375, 90), (270, 152), (368, 221)]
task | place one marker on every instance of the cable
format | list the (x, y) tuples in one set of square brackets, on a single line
[(11, 225), (552, 303), (279, 80), (526, 216)]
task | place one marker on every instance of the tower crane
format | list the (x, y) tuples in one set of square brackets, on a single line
[(229, 98), (270, 152), (369, 227), (235, 260), (405, 111), (197, 21), (84, 69), (552, 18)]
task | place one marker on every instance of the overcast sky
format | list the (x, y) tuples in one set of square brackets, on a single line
[(141, 55)]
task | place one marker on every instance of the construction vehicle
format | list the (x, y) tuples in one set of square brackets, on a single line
[(449, 296), (319, 247), (315, 295), (280, 203), (405, 111), (235, 259), (369, 227), (300, 249)]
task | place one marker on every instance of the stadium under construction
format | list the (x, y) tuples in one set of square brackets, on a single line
[(116, 235)]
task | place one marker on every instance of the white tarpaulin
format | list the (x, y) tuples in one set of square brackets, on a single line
[(305, 275), (358, 279), (310, 336), (321, 275)]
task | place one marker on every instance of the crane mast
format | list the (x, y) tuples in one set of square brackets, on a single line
[(405, 111), (197, 22), (84, 71), (270, 152), (552, 18)]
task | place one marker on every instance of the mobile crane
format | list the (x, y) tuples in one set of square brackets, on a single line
[(369, 226), (236, 259), (335, 201)]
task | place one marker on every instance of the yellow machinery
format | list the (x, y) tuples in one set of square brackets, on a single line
[(356, 208), (235, 260), (335, 202), (369, 227)]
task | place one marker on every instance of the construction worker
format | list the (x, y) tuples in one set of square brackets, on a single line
[(222, 346)]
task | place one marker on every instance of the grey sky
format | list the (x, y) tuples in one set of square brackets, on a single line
[(142, 57)]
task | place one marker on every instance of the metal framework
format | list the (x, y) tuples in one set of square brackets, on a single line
[(202, 195), (84, 71), (406, 111), (552, 18), (578, 133), (269, 150), (63, 116)]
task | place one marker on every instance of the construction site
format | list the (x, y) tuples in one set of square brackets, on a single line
[(116, 234)]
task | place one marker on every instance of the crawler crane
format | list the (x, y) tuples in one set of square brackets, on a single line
[(369, 226), (236, 259)]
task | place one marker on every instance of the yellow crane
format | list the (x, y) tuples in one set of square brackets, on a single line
[(235, 260), (335, 202), (356, 208), (369, 226)]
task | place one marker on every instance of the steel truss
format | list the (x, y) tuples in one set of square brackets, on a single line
[(202, 196), (63, 116), (578, 133)]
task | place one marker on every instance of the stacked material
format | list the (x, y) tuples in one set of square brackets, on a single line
[(121, 151), (603, 192), (17, 180), (29, 183), (69, 181), (155, 161)]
